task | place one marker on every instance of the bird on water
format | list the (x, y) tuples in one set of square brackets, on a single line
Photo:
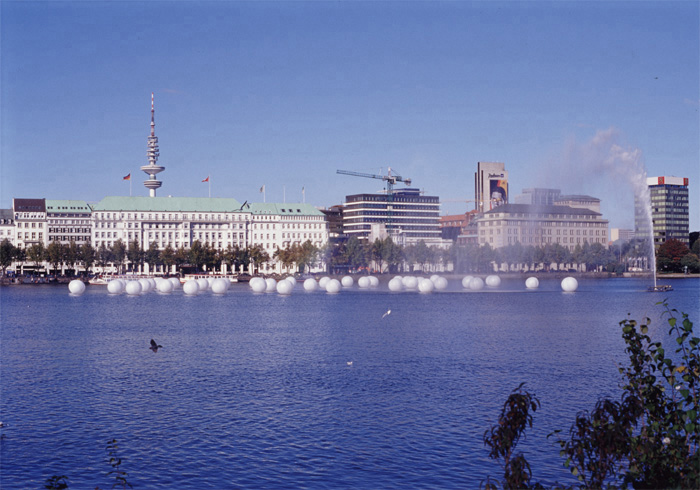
[(388, 312), (154, 346)]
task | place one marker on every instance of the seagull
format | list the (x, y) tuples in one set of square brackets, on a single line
[(154, 346), (349, 363), (2, 425), (388, 312)]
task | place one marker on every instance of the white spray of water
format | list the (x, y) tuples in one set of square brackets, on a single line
[(609, 170)]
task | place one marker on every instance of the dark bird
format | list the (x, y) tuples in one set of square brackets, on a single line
[(154, 346)]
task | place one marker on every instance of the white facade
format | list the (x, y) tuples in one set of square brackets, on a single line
[(222, 223), (7, 226), (541, 225), (30, 222)]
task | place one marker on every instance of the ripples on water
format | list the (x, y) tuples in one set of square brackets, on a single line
[(254, 391)]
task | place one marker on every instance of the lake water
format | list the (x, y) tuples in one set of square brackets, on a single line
[(255, 391)]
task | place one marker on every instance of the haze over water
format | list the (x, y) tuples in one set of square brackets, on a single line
[(255, 390)]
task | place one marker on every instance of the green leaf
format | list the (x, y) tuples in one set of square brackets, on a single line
[(645, 329)]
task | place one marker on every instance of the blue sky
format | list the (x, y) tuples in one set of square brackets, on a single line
[(578, 96)]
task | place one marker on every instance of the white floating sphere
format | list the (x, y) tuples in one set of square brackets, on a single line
[(219, 285), (399, 278), (115, 287), (285, 287), (259, 285), (133, 287), (310, 284), (426, 286), (476, 283), (466, 281), (175, 282), (493, 281), (364, 282), (145, 285), (569, 284), (165, 287), (440, 283), (270, 285), (152, 282), (410, 282), (333, 286), (158, 280), (395, 284), (434, 278), (191, 287), (347, 281), (373, 282), (76, 286), (203, 284), (292, 279), (532, 283), (323, 281)]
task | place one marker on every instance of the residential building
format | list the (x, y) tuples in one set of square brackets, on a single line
[(68, 221), (452, 226), (7, 225), (30, 222), (541, 225)]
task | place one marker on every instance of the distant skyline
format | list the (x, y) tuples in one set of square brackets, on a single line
[(580, 96)]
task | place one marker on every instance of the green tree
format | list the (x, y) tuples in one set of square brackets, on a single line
[(118, 254), (87, 256), (649, 438), (152, 257), (135, 255), (670, 254), (356, 254), (306, 255), (72, 254), (182, 257), (167, 257), (104, 256), (55, 255), (7, 254), (258, 256), (197, 255), (36, 254)]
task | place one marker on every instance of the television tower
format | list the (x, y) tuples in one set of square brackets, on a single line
[(152, 168)]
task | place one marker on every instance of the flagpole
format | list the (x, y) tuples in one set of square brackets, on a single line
[(209, 182), (130, 186), (284, 194)]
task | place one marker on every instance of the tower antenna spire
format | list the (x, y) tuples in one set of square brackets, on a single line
[(152, 169)]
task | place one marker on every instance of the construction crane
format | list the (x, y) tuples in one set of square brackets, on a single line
[(390, 180)]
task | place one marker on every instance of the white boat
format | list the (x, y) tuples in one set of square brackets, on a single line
[(230, 277)]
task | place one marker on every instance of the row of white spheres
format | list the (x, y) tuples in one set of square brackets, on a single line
[(144, 285), (424, 285), (217, 285)]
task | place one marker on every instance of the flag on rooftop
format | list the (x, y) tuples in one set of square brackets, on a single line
[(128, 177), (262, 189), (206, 180)]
